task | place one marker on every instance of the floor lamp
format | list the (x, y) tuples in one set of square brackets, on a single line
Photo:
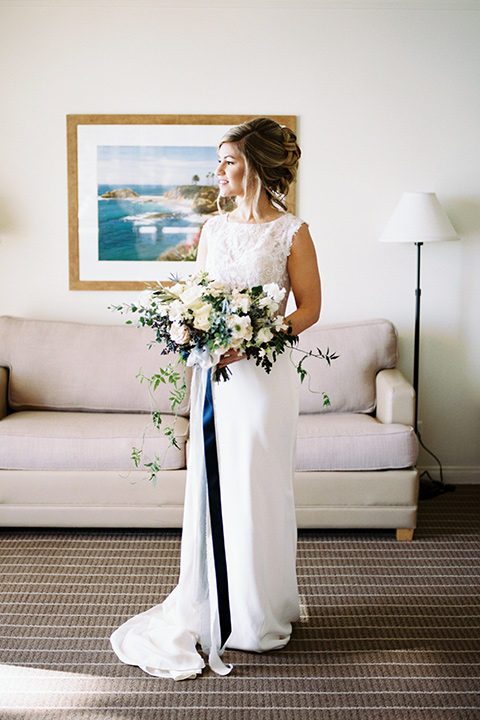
[(418, 218)]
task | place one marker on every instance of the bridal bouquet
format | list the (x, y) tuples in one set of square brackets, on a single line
[(202, 319), (199, 320)]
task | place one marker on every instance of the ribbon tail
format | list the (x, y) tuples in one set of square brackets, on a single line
[(194, 554), (217, 664), (216, 520)]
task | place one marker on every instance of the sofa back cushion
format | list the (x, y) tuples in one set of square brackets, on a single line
[(363, 347), (56, 365)]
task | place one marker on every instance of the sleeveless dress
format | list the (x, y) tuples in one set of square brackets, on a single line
[(255, 418)]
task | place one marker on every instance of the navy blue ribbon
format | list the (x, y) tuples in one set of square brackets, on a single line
[(216, 520)]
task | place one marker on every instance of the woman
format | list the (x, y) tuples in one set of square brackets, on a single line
[(237, 585)]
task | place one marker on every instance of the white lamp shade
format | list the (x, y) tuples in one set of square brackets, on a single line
[(419, 218)]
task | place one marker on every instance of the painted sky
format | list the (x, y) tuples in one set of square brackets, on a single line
[(154, 165)]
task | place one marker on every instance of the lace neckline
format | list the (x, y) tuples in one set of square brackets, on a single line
[(268, 222)]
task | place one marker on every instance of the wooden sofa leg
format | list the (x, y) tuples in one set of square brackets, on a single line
[(405, 535)]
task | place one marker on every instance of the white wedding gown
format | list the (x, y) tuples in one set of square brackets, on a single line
[(255, 426)]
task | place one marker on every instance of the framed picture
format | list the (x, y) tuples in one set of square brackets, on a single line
[(140, 188)]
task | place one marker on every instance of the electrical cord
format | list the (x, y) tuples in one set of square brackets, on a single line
[(430, 488)]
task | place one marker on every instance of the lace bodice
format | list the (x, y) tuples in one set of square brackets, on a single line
[(245, 255)]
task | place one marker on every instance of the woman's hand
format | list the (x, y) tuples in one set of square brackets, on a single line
[(230, 357)]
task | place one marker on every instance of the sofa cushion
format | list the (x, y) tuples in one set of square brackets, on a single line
[(363, 347), (343, 441), (56, 365), (49, 440)]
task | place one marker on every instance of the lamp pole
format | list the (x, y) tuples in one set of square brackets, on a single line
[(416, 347)]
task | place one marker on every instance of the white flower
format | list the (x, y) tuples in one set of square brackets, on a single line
[(272, 290), (269, 304), (264, 335), (240, 301), (215, 288), (280, 324), (201, 317), (176, 289), (192, 296), (179, 333), (241, 327), (177, 310), (163, 310), (145, 298)]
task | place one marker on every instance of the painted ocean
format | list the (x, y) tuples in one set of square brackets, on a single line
[(145, 225)]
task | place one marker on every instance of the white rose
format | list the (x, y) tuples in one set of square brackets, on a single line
[(201, 318), (179, 333), (192, 296)]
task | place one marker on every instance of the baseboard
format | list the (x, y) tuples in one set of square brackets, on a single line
[(454, 475)]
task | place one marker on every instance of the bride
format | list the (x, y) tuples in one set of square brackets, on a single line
[(237, 587)]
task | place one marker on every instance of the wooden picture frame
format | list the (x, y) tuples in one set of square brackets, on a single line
[(138, 184)]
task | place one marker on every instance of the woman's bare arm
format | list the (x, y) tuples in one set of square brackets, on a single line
[(305, 281)]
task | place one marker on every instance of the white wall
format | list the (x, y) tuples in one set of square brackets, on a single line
[(387, 97)]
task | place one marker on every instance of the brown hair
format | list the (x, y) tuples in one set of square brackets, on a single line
[(271, 155)]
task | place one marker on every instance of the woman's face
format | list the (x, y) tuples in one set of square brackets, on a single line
[(230, 170)]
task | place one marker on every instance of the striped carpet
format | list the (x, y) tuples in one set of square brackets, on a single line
[(388, 629)]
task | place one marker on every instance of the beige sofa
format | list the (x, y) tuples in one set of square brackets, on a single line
[(71, 409)]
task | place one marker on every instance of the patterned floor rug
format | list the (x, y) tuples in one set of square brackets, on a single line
[(388, 629)]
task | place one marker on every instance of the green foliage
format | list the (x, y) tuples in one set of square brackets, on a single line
[(136, 456), (169, 375), (328, 356), (301, 370), (154, 468), (156, 417)]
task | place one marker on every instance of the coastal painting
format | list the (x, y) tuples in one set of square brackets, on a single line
[(140, 188), (142, 219)]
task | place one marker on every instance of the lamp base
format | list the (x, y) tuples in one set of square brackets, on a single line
[(430, 488)]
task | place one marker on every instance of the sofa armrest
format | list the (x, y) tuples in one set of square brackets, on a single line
[(395, 398), (3, 392)]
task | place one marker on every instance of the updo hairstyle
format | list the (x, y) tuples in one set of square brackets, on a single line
[(271, 155)]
